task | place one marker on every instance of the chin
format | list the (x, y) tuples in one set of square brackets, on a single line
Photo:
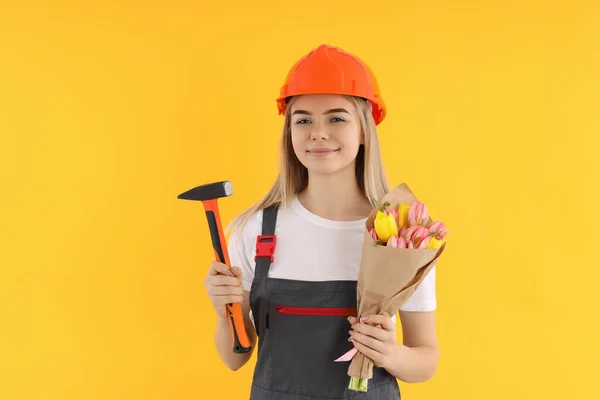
[(323, 170), (326, 168)]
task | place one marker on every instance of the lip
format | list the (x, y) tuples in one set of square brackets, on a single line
[(322, 151)]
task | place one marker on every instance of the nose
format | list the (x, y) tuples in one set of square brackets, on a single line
[(318, 132)]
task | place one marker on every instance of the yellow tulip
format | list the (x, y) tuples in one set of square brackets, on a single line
[(403, 215), (385, 226), (435, 243)]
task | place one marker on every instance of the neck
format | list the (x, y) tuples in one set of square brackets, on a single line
[(335, 196)]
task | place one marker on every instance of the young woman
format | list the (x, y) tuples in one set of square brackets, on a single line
[(298, 302)]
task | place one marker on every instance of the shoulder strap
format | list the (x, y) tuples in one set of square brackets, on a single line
[(269, 219), (265, 243)]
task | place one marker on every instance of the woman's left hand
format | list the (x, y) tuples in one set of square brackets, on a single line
[(375, 337)]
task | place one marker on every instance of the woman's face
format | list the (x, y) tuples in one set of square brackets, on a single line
[(326, 133)]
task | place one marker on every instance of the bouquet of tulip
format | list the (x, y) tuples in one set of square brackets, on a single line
[(401, 246)]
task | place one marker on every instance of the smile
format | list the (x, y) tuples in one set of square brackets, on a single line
[(322, 152)]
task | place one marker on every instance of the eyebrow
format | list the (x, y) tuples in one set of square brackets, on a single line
[(331, 111)]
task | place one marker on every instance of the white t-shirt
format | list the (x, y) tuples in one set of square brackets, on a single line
[(312, 248)]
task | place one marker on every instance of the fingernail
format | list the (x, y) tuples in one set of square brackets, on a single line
[(350, 332), (363, 319)]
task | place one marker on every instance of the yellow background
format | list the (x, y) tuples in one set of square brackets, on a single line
[(107, 112)]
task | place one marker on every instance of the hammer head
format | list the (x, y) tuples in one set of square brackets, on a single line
[(210, 191)]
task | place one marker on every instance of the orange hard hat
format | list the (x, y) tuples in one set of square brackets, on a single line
[(331, 70)]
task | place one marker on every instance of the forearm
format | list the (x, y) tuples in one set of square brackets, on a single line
[(224, 346), (414, 364)]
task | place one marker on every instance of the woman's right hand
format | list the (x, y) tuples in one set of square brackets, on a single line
[(223, 286)]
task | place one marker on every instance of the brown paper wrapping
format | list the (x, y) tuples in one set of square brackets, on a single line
[(388, 276)]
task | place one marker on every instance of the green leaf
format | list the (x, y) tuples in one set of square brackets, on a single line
[(381, 206)]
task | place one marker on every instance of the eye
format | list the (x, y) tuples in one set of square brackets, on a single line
[(302, 121), (337, 119)]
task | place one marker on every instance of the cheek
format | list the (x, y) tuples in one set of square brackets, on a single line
[(294, 136), (297, 142), (350, 139)]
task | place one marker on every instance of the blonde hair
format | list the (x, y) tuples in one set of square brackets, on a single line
[(293, 175)]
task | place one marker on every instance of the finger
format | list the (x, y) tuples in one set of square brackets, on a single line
[(383, 320), (372, 331), (229, 299), (370, 342), (375, 339), (227, 291), (224, 280), (237, 271), (220, 268), (352, 320), (367, 351)]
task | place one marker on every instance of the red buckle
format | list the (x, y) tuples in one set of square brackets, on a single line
[(265, 246)]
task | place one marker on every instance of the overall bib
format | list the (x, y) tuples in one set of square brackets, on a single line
[(302, 327)]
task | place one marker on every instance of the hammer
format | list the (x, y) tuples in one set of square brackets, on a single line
[(209, 194)]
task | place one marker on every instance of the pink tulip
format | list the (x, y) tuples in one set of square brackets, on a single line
[(419, 235), (396, 241), (437, 229), (424, 242), (414, 232), (420, 232), (408, 233), (401, 231), (409, 245), (418, 214), (401, 242), (392, 242), (373, 234), (436, 226)]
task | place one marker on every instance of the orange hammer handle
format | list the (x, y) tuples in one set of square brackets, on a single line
[(240, 341)]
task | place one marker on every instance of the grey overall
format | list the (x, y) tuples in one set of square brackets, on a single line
[(302, 327)]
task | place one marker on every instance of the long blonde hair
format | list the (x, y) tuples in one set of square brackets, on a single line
[(293, 175)]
